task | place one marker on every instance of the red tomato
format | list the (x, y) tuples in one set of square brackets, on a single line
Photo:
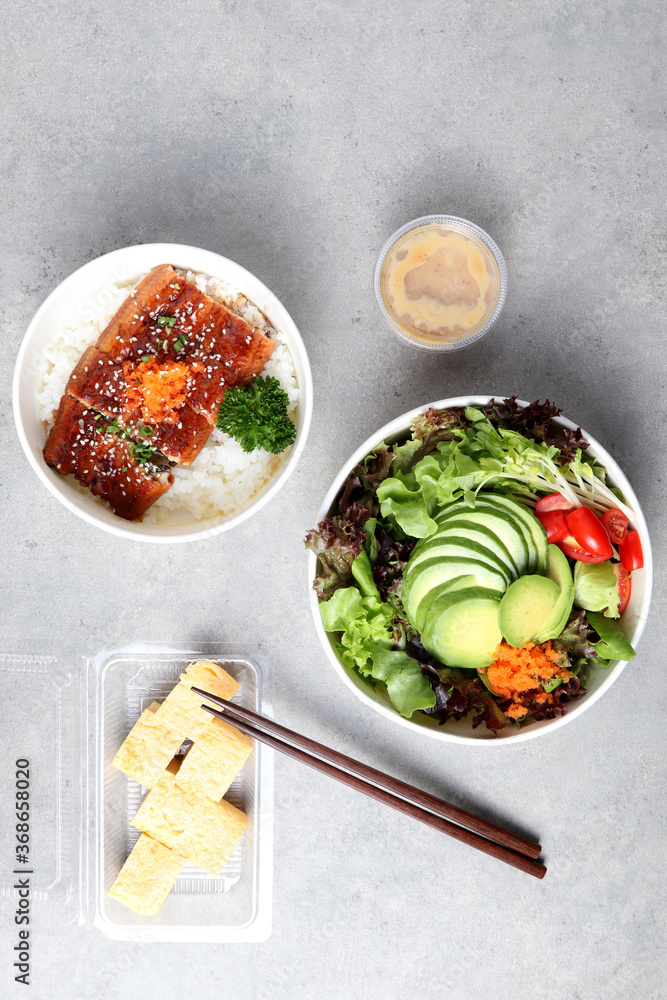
[(555, 501), (624, 587), (553, 522), (616, 524), (589, 533), (630, 551), (573, 550)]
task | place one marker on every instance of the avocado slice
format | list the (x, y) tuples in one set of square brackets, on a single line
[(464, 548), (433, 572), (458, 583), (499, 522), (485, 503), (530, 522), (558, 570), (527, 607), (461, 627), (464, 528)]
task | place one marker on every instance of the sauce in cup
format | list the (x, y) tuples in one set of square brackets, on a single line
[(440, 283)]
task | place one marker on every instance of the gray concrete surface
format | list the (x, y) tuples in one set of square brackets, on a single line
[(294, 138)]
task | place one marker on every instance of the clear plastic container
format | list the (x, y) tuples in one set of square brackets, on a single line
[(69, 716), (441, 229)]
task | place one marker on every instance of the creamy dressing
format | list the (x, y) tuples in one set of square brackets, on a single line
[(439, 283)]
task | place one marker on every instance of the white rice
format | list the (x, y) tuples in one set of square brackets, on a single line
[(223, 478)]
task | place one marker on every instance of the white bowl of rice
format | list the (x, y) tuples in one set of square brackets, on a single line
[(224, 485)]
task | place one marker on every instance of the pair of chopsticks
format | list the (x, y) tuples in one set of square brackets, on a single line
[(443, 816)]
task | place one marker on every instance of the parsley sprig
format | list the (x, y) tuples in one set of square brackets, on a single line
[(257, 416)]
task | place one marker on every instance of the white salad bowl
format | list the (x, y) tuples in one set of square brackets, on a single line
[(69, 303), (633, 620)]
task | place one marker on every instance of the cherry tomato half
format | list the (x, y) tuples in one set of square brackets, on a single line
[(589, 533), (553, 522), (555, 501), (573, 550), (616, 524), (624, 587), (630, 551)]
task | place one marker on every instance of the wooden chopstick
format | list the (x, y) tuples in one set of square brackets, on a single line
[(429, 802), (382, 787)]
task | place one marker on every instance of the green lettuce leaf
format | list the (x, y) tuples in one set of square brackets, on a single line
[(370, 631), (575, 642), (404, 455), (373, 626), (359, 490), (596, 587), (362, 571), (371, 544), (337, 541), (408, 689), (407, 507), (613, 644), (341, 609)]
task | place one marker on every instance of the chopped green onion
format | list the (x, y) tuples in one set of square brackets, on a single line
[(139, 452), (146, 357), (166, 321)]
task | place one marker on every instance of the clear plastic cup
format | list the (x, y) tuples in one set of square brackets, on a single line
[(484, 273)]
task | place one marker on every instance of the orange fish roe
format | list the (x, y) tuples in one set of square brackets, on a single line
[(158, 389), (516, 673)]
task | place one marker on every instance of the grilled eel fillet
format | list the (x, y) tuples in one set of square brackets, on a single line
[(151, 387)]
